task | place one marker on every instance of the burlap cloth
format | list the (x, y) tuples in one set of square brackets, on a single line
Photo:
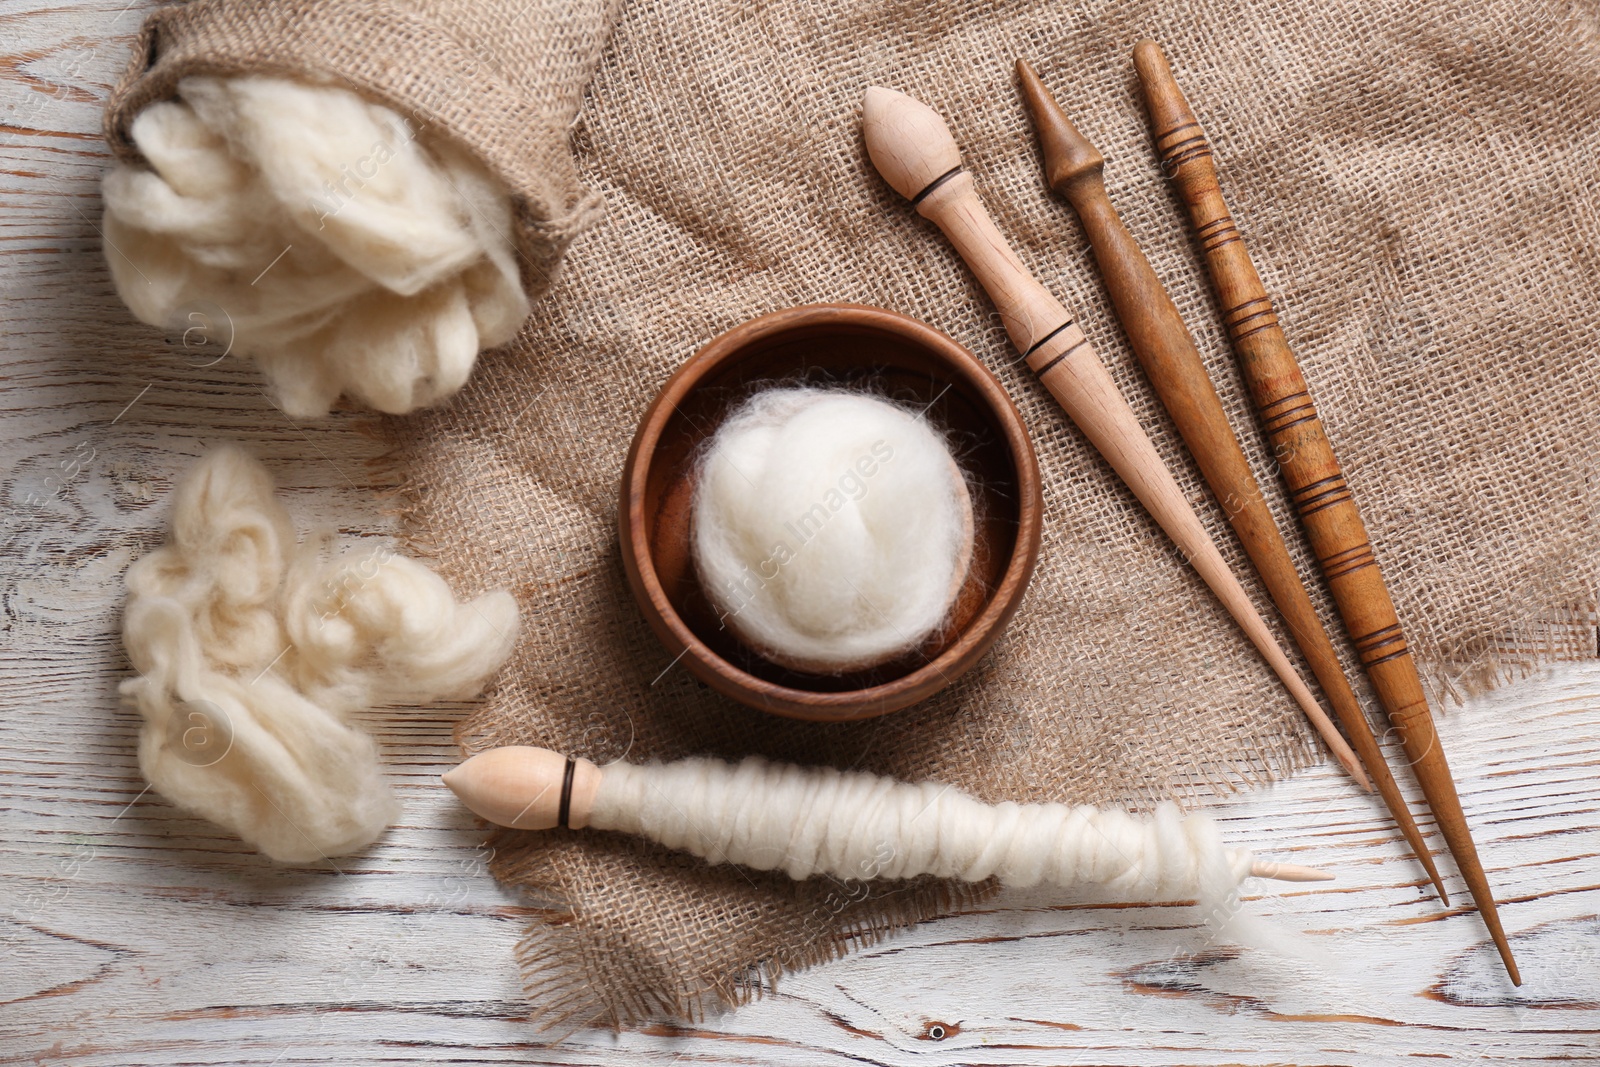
[(1416, 183)]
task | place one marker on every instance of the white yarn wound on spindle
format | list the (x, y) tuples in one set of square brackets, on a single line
[(831, 530), (318, 233), (808, 821), (253, 650)]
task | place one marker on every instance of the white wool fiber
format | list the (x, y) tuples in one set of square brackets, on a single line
[(317, 233), (253, 650), (808, 821), (831, 530)]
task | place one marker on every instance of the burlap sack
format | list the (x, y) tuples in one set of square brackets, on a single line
[(1416, 185), (503, 77)]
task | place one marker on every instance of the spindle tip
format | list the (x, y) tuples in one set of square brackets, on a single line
[(1511, 964), (1288, 872), (1169, 110), (1502, 944), (908, 141), (525, 788), (1068, 155), (1150, 61)]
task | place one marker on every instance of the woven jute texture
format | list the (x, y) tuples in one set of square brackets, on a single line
[(1415, 182)]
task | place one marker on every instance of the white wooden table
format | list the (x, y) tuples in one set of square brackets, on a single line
[(135, 935)]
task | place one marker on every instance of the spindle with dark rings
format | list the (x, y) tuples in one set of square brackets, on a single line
[(1317, 486)]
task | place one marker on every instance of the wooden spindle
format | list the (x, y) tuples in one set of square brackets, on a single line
[(529, 788), (913, 150), (1167, 352), (1317, 486)]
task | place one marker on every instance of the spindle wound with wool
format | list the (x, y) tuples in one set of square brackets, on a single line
[(808, 821), (912, 148), (832, 529)]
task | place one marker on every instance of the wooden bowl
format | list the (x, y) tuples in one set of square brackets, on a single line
[(830, 344)]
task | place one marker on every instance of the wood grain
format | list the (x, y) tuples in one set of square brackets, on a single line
[(136, 935), (1161, 341)]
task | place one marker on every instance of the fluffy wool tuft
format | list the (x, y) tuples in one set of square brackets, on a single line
[(832, 530), (253, 650), (317, 233)]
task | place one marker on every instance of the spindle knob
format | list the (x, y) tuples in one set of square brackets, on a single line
[(1068, 154), (527, 788), (909, 143)]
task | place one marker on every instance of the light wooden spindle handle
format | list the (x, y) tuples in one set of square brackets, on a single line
[(1316, 483), (912, 148), (527, 788)]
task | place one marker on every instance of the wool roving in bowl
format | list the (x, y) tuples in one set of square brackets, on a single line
[(832, 529)]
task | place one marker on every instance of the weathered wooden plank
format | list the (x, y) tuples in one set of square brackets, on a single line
[(200, 945), (131, 933)]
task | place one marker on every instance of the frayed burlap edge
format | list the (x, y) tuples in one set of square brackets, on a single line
[(556, 953), (1459, 664)]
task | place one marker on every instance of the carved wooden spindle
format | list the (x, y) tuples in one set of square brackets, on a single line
[(1166, 350), (1316, 484), (913, 150)]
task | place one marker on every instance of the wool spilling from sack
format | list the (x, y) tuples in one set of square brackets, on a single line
[(253, 651), (320, 234), (832, 530)]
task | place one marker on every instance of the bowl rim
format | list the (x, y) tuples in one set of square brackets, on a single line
[(840, 705)]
